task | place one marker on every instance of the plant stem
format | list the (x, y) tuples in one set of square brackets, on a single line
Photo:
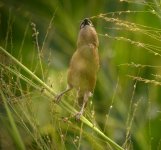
[(67, 106)]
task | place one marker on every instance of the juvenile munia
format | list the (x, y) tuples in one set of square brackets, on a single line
[(84, 65)]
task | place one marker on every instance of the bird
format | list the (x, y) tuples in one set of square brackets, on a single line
[(84, 65)]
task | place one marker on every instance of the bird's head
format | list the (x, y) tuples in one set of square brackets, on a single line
[(87, 34)]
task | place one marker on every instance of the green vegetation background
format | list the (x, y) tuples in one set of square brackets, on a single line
[(126, 103)]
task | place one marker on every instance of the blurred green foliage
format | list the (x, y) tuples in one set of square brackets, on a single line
[(126, 110)]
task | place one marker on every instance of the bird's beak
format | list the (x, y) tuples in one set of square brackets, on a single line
[(85, 22)]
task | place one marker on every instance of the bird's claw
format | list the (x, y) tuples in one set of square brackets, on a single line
[(78, 116), (58, 98)]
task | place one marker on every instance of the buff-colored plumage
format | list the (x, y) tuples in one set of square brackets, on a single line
[(84, 64)]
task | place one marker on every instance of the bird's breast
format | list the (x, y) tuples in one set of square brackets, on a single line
[(83, 67), (86, 58)]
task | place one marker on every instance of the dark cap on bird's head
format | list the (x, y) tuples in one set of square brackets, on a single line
[(85, 22)]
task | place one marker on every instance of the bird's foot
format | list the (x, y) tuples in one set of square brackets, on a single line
[(78, 115), (58, 98)]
